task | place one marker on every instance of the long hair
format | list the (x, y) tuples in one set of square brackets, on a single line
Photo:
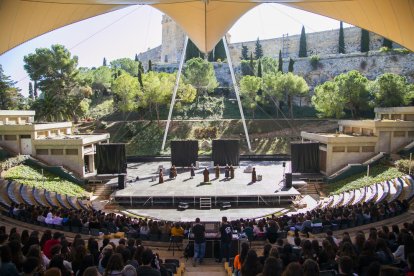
[(243, 252), (115, 263), (251, 265)]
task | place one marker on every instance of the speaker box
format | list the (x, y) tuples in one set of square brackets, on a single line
[(121, 181), (288, 180)]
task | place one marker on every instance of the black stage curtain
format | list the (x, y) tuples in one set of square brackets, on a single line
[(226, 152), (110, 158), (184, 153), (305, 157)]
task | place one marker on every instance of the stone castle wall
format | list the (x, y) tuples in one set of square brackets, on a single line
[(319, 43)]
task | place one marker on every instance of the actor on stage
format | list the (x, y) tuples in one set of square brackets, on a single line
[(160, 177), (173, 172), (227, 171), (206, 175), (231, 172), (217, 169), (192, 173), (254, 175)]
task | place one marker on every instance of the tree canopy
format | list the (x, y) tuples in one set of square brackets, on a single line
[(55, 72), (200, 73), (10, 97), (391, 90)]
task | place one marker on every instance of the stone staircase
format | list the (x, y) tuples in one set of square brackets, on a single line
[(208, 268)]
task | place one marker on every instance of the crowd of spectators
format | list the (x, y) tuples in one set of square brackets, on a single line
[(266, 228), (387, 251), (51, 254)]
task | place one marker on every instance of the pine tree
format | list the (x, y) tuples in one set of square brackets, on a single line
[(258, 51), (303, 52), (35, 90), (219, 51), (364, 41), (31, 96), (251, 73), (259, 68), (387, 43), (244, 53), (140, 71), (149, 66), (280, 65), (291, 63), (341, 44), (136, 57), (104, 62)]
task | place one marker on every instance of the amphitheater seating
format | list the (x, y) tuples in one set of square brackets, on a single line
[(399, 187), (73, 202), (26, 195), (52, 202), (62, 201), (382, 191), (370, 194), (39, 197)]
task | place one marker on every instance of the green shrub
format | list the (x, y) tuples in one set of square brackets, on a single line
[(385, 49), (378, 173), (314, 61), (12, 162), (402, 51), (403, 165), (33, 177)]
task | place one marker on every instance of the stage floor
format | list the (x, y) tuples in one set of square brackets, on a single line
[(183, 186), (205, 215)]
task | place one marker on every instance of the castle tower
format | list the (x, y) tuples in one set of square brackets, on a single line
[(172, 41)]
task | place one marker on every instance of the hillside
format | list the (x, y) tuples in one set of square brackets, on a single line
[(270, 136)]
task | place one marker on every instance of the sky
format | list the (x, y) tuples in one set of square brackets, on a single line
[(135, 29)]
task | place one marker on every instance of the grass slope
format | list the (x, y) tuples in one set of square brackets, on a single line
[(33, 177), (378, 173)]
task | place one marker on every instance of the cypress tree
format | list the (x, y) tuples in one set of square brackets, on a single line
[(341, 46), (280, 65), (31, 96), (136, 57), (291, 63), (35, 90), (364, 41), (149, 65), (104, 62), (303, 52), (258, 51), (219, 51), (210, 57), (244, 53), (140, 71), (387, 43), (192, 51), (259, 68), (251, 73)]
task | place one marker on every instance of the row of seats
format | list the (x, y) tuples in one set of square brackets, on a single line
[(398, 188), (19, 193)]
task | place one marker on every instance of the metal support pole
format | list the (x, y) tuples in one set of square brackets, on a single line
[(177, 81), (409, 165), (236, 90)]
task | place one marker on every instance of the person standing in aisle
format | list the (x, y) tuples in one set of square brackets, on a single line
[(226, 235), (199, 242)]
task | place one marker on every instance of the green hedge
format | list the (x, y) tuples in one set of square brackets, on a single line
[(378, 173), (33, 177)]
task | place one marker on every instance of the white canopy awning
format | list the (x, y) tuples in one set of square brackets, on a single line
[(206, 21)]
